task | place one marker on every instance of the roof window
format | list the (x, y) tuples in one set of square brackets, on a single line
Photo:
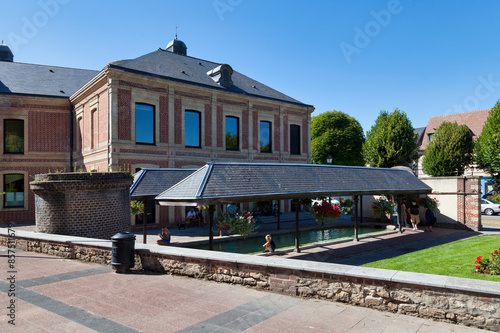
[(222, 75)]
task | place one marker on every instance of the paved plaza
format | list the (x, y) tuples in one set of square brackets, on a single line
[(61, 295)]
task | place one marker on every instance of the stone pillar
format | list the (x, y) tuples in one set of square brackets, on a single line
[(95, 205)]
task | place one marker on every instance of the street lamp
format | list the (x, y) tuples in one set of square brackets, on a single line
[(329, 159)]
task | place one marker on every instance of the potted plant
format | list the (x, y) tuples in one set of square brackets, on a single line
[(429, 203), (136, 207), (383, 207), (325, 210)]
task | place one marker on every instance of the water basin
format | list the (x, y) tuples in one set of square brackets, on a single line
[(285, 241)]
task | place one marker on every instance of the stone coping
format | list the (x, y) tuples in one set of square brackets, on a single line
[(429, 280)]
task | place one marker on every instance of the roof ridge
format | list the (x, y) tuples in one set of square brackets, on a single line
[(187, 56), (454, 114), (62, 67)]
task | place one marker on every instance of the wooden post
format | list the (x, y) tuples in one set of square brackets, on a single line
[(211, 210), (279, 209), (400, 227), (297, 206), (360, 209), (144, 221), (356, 237)]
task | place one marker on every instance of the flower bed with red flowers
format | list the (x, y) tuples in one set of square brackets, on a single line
[(489, 265)]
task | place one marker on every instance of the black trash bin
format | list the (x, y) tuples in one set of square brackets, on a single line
[(122, 251)]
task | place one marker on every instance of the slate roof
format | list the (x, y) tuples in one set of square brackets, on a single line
[(243, 182), (419, 131), (30, 79), (149, 182), (474, 120), (172, 66)]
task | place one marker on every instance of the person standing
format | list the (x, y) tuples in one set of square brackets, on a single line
[(414, 210), (430, 219), (404, 214)]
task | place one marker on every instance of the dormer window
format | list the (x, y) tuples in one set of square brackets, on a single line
[(222, 75)]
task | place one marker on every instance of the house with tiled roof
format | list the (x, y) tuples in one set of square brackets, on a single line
[(474, 120), (164, 109)]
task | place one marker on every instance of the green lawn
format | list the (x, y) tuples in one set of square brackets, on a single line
[(454, 259)]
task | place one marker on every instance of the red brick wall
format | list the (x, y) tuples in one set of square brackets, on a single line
[(48, 131), (124, 114), (276, 133), (220, 129), (208, 125), (285, 134), (468, 202), (255, 131), (103, 116), (305, 138), (178, 120), (244, 129), (164, 119)]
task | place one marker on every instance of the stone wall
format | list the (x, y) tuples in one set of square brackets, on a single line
[(456, 300), (460, 200), (95, 205)]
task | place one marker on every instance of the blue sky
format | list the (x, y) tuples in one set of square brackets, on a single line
[(426, 58)]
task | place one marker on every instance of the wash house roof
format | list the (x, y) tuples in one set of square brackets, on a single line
[(149, 182), (225, 182)]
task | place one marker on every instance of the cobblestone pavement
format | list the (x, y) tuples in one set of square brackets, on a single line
[(59, 295)]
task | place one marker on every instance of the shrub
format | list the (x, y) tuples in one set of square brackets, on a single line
[(450, 151), (489, 265)]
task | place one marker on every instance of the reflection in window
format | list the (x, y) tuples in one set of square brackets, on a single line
[(13, 136), (430, 137), (265, 136), (144, 124), (192, 129), (295, 139), (232, 136), (14, 190)]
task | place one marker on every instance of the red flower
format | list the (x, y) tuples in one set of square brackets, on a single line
[(477, 267)]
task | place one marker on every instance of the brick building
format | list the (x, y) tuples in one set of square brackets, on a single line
[(474, 120), (161, 110)]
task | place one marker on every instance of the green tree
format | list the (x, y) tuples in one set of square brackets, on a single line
[(488, 144), (450, 151), (339, 135), (391, 141)]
